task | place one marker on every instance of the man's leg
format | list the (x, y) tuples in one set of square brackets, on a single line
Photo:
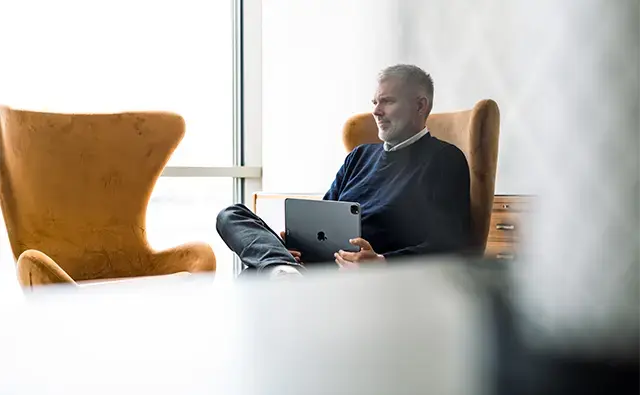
[(246, 234)]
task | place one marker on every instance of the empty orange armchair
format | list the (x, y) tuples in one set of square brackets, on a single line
[(74, 190), (475, 132)]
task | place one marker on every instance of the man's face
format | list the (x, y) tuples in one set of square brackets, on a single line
[(396, 112)]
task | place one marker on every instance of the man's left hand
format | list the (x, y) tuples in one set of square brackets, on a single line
[(352, 260)]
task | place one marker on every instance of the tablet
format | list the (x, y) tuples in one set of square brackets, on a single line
[(320, 228)]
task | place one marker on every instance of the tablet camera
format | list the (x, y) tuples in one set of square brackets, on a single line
[(355, 210)]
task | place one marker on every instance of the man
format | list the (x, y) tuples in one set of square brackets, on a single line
[(413, 189)]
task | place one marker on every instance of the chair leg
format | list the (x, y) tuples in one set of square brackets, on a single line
[(36, 268)]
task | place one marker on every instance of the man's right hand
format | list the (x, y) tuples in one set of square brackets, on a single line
[(296, 254)]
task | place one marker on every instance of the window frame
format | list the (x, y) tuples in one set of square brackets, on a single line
[(246, 171)]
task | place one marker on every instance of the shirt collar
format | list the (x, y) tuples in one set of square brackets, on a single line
[(389, 148)]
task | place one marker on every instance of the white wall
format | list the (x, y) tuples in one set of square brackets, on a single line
[(320, 60), (494, 49)]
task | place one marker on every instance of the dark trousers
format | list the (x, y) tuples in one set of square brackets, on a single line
[(246, 234)]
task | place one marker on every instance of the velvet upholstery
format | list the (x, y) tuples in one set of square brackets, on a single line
[(74, 190), (475, 132)]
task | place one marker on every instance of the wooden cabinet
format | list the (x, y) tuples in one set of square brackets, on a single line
[(508, 217)]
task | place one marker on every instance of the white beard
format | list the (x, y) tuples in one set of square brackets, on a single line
[(393, 132)]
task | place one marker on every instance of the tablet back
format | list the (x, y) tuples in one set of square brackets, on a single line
[(319, 228)]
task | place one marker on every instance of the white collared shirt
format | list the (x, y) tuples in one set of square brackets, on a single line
[(407, 142)]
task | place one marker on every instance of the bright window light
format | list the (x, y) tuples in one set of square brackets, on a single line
[(127, 55)]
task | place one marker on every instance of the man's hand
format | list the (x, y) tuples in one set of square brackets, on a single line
[(352, 260), (296, 254)]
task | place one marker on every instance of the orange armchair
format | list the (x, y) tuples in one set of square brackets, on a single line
[(476, 133), (74, 190)]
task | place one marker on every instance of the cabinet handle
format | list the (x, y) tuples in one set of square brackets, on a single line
[(505, 257), (505, 206), (505, 227)]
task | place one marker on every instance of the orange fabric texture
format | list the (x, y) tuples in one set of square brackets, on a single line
[(476, 132), (74, 190)]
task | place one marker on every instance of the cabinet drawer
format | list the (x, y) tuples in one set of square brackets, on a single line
[(504, 226), (511, 204), (500, 250)]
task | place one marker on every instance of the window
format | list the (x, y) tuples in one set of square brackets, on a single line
[(126, 55), (185, 208)]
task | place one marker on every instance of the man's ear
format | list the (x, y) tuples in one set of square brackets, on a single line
[(424, 106)]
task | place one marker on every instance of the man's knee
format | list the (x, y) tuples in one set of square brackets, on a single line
[(228, 215)]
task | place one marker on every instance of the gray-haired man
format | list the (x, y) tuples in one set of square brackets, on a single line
[(413, 188)]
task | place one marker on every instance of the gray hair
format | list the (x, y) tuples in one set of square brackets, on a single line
[(412, 76)]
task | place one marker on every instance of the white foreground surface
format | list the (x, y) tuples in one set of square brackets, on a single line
[(395, 332)]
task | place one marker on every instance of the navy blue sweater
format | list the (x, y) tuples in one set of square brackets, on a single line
[(413, 201)]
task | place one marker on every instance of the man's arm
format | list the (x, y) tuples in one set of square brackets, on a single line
[(449, 218), (336, 186)]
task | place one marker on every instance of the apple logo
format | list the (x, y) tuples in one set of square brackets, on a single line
[(322, 236)]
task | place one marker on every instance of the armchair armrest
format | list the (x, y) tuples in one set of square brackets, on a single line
[(270, 206), (271, 196)]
